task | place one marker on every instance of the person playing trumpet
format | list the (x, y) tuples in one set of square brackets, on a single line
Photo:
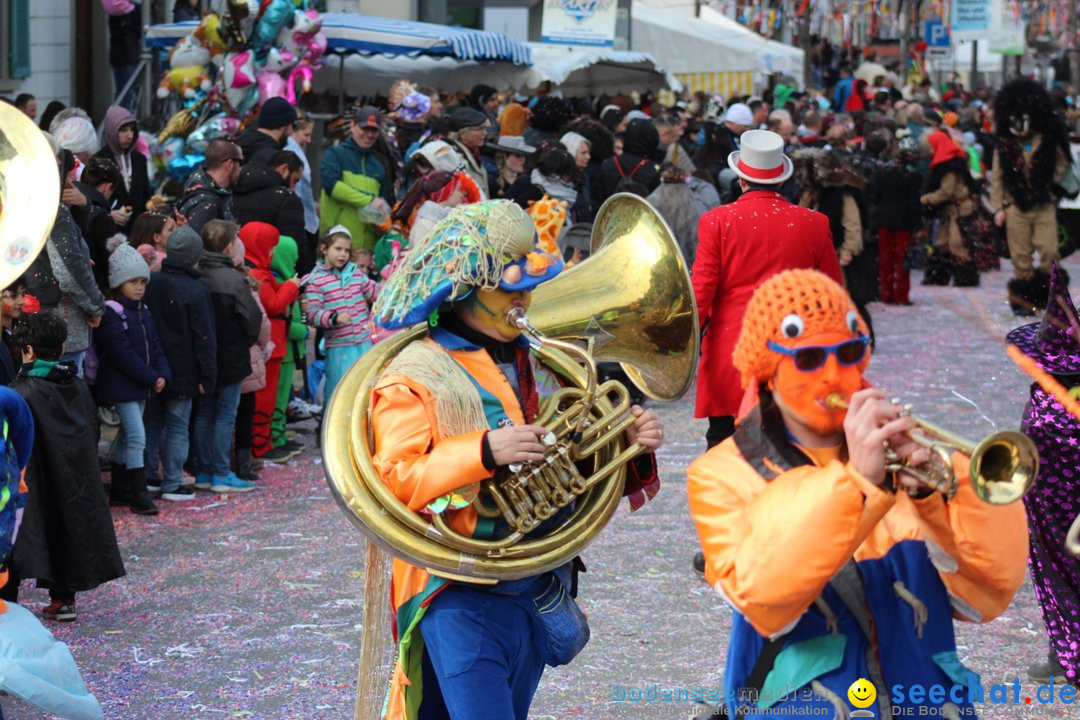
[(450, 411), (838, 568)]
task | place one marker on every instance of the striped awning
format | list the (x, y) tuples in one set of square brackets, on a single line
[(348, 33), (724, 84)]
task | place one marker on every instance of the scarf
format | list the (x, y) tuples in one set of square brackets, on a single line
[(557, 188)]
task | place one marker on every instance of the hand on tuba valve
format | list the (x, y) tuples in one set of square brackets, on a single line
[(1002, 469)]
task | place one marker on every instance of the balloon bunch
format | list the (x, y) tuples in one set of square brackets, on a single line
[(243, 53)]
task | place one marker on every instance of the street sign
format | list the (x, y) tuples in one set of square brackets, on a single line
[(936, 34), (939, 53)]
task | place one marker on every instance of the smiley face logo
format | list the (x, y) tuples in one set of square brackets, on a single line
[(862, 693)]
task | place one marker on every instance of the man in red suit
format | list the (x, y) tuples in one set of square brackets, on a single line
[(740, 245)]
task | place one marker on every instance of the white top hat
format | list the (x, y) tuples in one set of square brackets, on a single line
[(760, 159)]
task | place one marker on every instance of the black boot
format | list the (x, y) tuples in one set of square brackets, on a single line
[(141, 504), (244, 469), (119, 493), (1047, 672), (966, 274)]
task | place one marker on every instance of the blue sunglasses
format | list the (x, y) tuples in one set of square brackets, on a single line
[(810, 358)]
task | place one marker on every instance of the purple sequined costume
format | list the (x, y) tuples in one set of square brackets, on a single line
[(1054, 500)]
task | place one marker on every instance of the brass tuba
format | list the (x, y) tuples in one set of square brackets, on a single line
[(29, 192), (630, 302)]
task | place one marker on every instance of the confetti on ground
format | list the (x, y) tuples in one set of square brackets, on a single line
[(218, 617)]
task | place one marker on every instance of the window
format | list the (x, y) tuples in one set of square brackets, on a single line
[(14, 43)]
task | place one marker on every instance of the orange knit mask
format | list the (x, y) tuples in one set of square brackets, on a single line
[(800, 308)]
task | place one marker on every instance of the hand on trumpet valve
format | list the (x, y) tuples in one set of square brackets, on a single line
[(647, 429), (878, 437)]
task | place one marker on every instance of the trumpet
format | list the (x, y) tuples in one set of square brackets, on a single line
[(1003, 465)]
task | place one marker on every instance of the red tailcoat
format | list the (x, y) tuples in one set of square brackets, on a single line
[(739, 246)]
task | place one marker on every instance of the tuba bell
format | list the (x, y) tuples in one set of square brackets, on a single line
[(29, 192), (630, 302)]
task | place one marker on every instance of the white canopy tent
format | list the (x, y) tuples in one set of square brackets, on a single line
[(374, 74), (712, 53), (584, 71)]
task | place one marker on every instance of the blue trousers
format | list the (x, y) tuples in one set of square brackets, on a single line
[(166, 422), (339, 358), (130, 445), (214, 420), (480, 659)]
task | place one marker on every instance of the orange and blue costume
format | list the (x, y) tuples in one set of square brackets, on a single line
[(469, 651), (833, 577)]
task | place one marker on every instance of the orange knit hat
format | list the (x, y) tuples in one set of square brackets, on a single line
[(788, 306), (514, 120)]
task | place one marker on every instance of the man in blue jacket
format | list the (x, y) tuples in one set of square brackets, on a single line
[(184, 318)]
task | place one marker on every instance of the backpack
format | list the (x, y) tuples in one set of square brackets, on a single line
[(92, 360)]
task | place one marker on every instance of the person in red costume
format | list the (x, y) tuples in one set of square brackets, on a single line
[(740, 245)]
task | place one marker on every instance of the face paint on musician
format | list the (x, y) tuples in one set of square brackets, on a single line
[(485, 311), (801, 394)]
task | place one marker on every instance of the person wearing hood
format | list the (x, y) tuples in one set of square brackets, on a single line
[(266, 193), (121, 131), (353, 178), (274, 125), (637, 162), (183, 316), (207, 193), (260, 240), (283, 265), (952, 189)]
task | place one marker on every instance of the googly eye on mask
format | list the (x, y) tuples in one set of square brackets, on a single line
[(852, 320), (792, 326)]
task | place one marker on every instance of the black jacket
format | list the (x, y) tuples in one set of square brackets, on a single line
[(237, 317), (184, 319), (136, 196), (204, 200), (97, 225), (66, 540), (637, 163), (257, 146), (262, 195), (892, 197), (130, 353)]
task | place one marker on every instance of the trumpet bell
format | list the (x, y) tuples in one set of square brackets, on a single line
[(632, 296), (1004, 466), (29, 192)]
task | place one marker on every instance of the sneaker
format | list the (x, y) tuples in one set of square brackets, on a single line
[(293, 445), (187, 480), (699, 562), (279, 455), (180, 494), (154, 487), (203, 481), (231, 484), (59, 612), (297, 411)]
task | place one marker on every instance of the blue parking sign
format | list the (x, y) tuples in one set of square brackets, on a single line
[(936, 34)]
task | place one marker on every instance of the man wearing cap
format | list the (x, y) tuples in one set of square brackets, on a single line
[(275, 124), (451, 410), (838, 568), (353, 178), (470, 133)]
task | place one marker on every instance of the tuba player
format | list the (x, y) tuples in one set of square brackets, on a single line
[(450, 410), (836, 574)]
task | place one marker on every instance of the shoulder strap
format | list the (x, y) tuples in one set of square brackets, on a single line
[(119, 310)]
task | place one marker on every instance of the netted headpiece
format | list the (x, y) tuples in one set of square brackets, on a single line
[(470, 249)]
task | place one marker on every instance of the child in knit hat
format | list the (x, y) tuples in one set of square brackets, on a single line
[(133, 369)]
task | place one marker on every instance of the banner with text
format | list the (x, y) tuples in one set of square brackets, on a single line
[(579, 22), (974, 19)]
